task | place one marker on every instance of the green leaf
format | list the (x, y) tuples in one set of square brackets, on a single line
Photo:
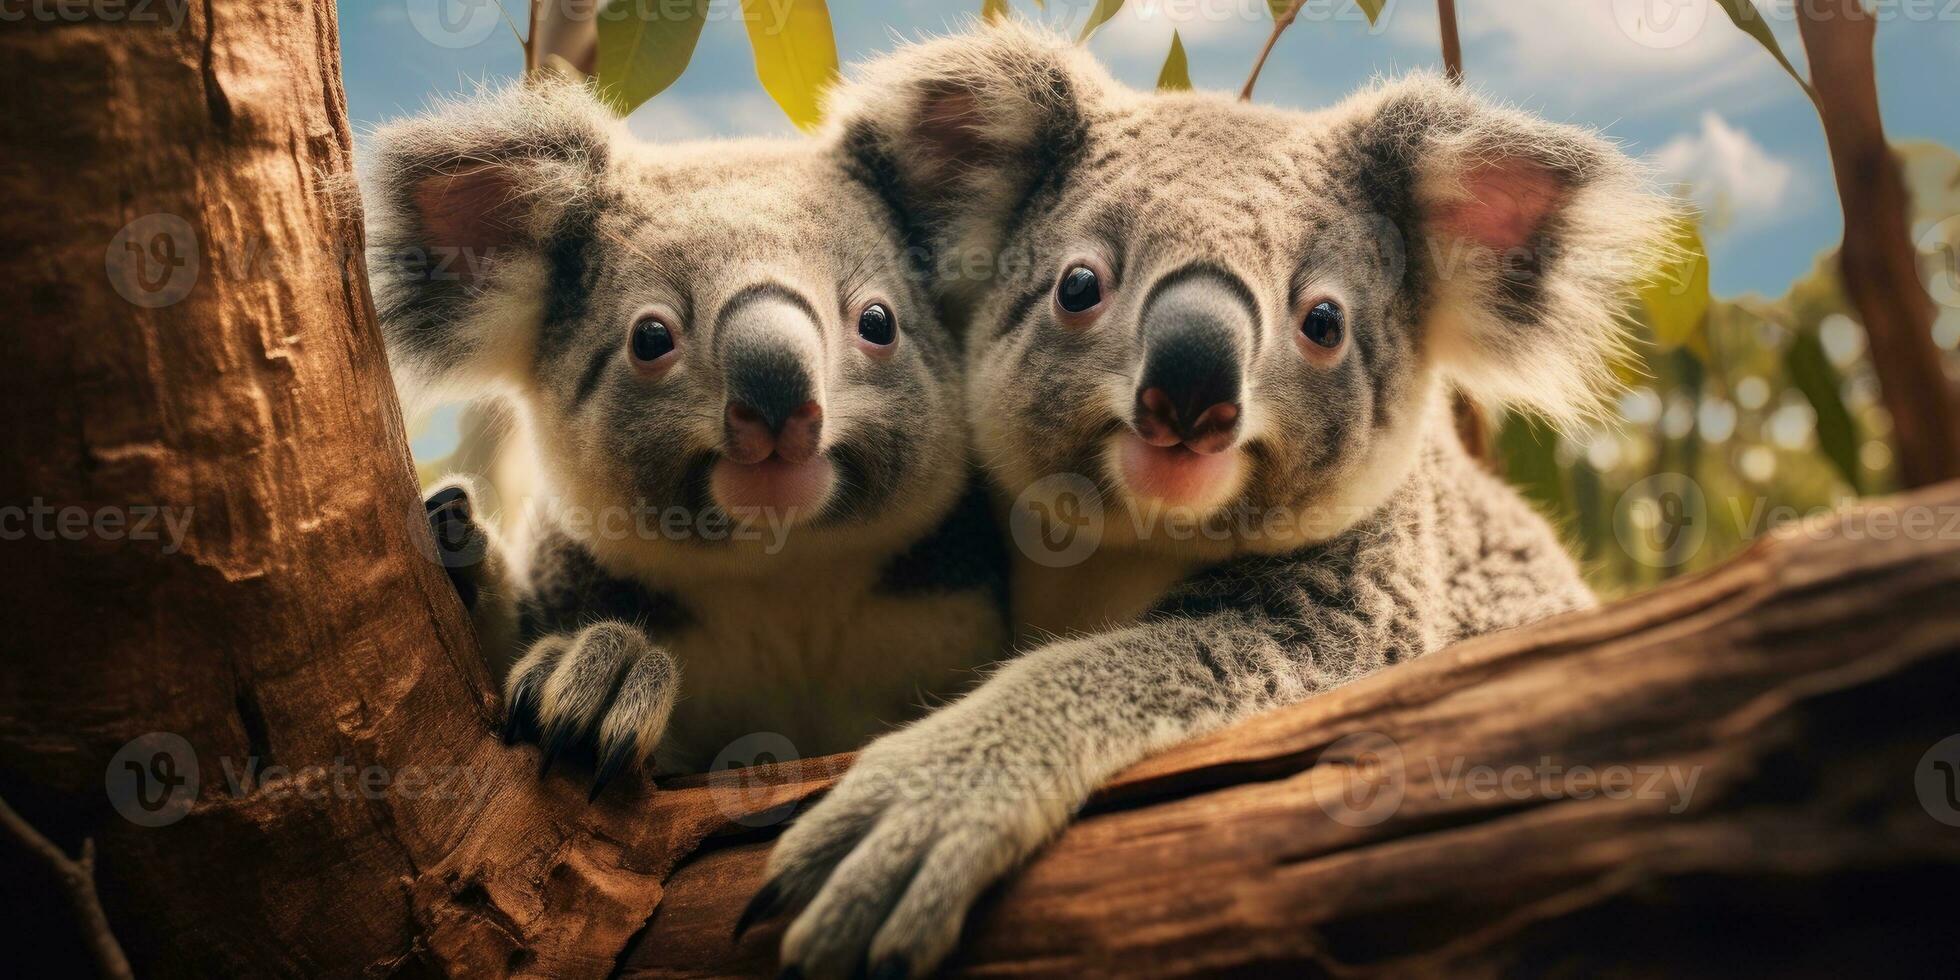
[(1176, 74), (643, 48), (1837, 432), (1105, 9), (1743, 14), (1676, 298), (795, 54), (993, 11), (1528, 447)]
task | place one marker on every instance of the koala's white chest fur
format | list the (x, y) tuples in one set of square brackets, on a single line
[(825, 660)]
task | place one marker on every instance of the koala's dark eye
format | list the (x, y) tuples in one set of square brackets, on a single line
[(877, 325), (1080, 290), (1323, 324), (651, 340)]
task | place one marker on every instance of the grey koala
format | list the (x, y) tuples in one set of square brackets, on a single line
[(746, 418), (1230, 329)]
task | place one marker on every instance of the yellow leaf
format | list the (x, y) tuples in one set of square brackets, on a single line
[(1104, 10), (1176, 74), (1676, 298), (643, 49), (993, 11), (795, 54)]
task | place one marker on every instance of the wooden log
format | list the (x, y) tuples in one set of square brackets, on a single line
[(1738, 772)]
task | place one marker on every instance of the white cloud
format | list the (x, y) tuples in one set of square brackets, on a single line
[(671, 117), (1729, 174), (1142, 29), (1636, 54)]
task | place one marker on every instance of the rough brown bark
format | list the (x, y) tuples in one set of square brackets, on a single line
[(1879, 264), (1804, 686), (297, 628)]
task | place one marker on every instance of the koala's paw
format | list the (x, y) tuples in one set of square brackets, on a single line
[(606, 690), (462, 542), (890, 861)]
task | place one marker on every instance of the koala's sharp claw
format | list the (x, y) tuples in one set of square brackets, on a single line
[(614, 762), (891, 968), (522, 708), (554, 743), (766, 903)]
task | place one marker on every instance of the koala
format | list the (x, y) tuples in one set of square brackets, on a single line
[(758, 514), (1233, 330)]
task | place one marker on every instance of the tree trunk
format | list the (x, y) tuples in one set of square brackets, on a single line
[(1747, 773), (194, 352), (1879, 264)]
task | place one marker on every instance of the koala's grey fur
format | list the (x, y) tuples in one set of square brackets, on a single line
[(1014, 153), (515, 238)]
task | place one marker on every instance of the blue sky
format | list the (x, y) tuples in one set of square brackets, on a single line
[(1671, 79)]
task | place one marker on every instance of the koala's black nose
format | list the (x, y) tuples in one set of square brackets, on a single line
[(1195, 330), (771, 408)]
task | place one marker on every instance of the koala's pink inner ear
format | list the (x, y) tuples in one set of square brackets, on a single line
[(1503, 203), (476, 209), (948, 129)]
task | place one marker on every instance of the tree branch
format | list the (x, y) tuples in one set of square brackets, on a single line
[(1452, 46), (1878, 262), (1280, 24), (1718, 776), (77, 878)]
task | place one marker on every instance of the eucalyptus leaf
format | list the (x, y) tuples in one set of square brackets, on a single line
[(1104, 10), (1743, 14), (1837, 432), (1676, 299), (1528, 448), (644, 47), (795, 54), (993, 11), (1176, 73)]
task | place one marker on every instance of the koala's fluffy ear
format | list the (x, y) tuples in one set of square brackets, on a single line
[(958, 131), (1526, 239), (473, 208)]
